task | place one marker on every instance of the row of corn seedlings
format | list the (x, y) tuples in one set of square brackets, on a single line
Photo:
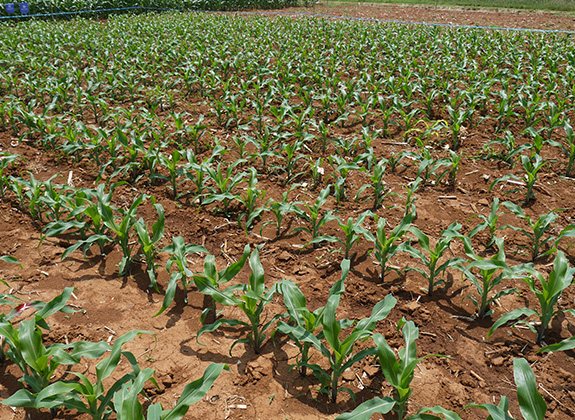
[(23, 344), (320, 329), (336, 80), (89, 217)]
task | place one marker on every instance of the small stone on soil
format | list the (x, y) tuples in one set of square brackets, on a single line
[(498, 361), (348, 375), (284, 256)]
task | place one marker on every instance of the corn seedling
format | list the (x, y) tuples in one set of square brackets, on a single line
[(430, 256), (250, 200), (314, 215), (399, 373), (148, 243), (279, 209), (37, 362), (453, 165), (490, 274), (489, 222), (215, 278), (548, 294), (122, 230), (6, 160), (127, 406), (179, 252), (537, 229), (84, 396), (386, 243), (224, 185), (508, 150), (352, 232), (304, 319), (568, 148), (341, 169), (377, 184), (175, 171), (340, 353), (252, 303), (532, 165)]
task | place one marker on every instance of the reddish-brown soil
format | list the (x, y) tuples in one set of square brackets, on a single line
[(263, 386), (449, 15)]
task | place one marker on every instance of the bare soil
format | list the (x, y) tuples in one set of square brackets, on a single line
[(263, 386), (503, 18)]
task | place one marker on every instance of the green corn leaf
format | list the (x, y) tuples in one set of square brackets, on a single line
[(10, 259), (380, 311), (194, 392), (511, 316), (338, 287), (21, 398), (531, 403), (108, 365), (564, 345), (331, 327), (219, 323), (207, 287), (126, 404), (55, 305), (170, 291), (421, 414), (367, 409)]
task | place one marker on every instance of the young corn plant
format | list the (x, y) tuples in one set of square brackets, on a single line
[(377, 184), (489, 222), (127, 406), (252, 303), (7, 160), (457, 117), (290, 157), (302, 318), (430, 256), (548, 294), (175, 171), (26, 349), (316, 171), (388, 244), (531, 403), (341, 169), (508, 150), (537, 229), (179, 252), (215, 278), (532, 165), (340, 352), (250, 200), (224, 185), (83, 395), (352, 232), (490, 273), (399, 373), (85, 217), (279, 209), (149, 243), (314, 215), (122, 230), (568, 149), (453, 165), (410, 198)]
